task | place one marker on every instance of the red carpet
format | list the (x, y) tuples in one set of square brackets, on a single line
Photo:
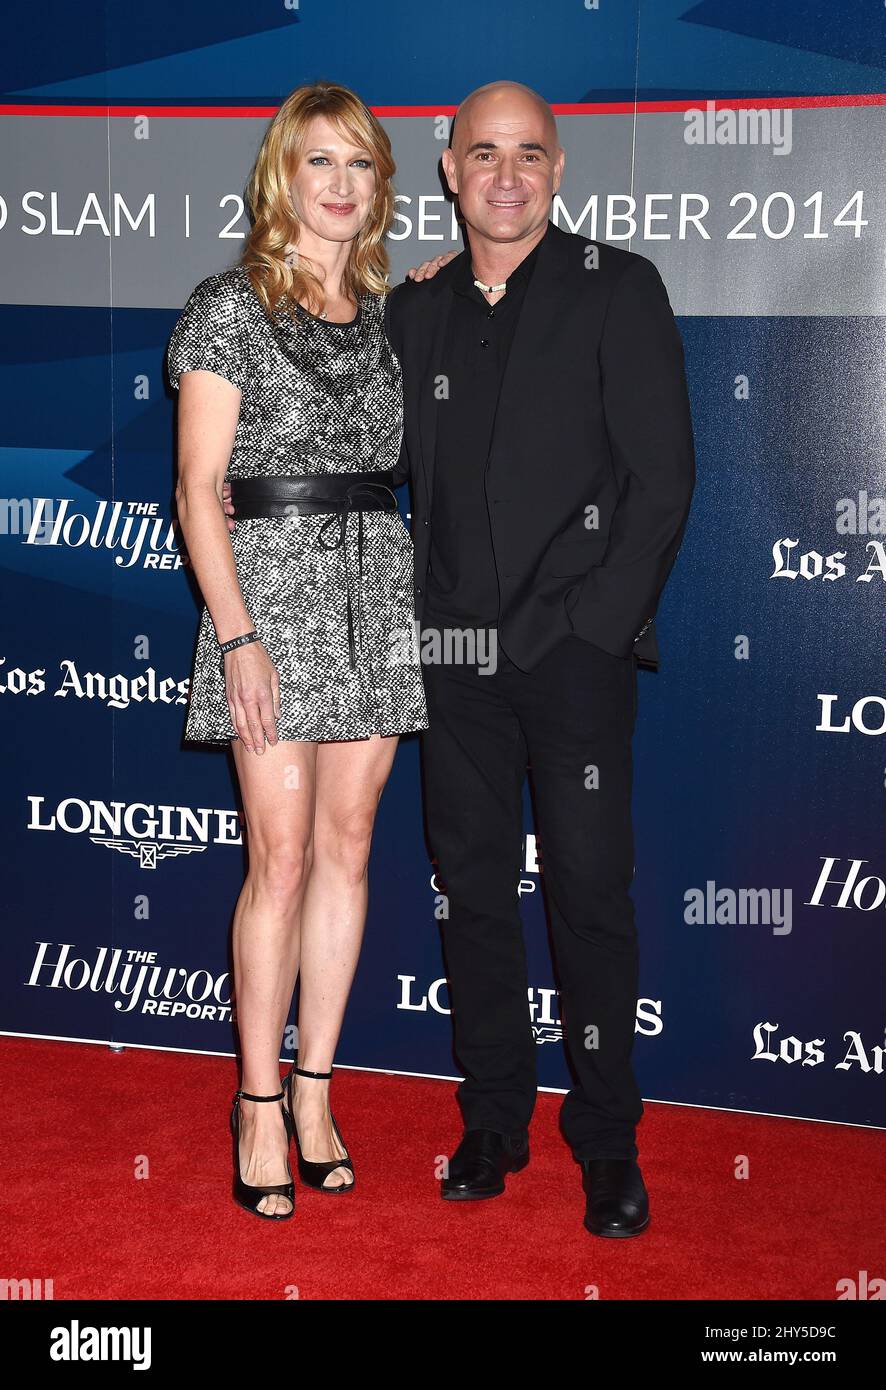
[(78, 1121)]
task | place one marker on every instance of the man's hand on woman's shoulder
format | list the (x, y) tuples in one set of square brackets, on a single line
[(428, 269)]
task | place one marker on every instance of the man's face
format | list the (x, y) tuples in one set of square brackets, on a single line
[(504, 165)]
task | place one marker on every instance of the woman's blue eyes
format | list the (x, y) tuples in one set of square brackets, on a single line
[(321, 159)]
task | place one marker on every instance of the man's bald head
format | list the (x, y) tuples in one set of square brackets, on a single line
[(504, 163), (501, 98)]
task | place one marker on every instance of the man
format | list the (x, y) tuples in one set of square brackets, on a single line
[(549, 445)]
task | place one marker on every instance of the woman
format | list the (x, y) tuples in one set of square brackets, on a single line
[(288, 387)]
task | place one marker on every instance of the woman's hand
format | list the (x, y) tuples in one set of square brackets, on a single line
[(252, 686), (428, 269)]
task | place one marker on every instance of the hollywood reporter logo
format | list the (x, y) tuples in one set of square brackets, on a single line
[(866, 894), (133, 532), (144, 831), (135, 980)]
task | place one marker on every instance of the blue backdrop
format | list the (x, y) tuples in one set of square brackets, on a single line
[(757, 761)]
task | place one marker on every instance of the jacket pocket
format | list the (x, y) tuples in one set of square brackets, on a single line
[(572, 556)]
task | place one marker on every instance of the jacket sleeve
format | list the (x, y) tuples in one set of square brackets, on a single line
[(394, 337), (648, 422)]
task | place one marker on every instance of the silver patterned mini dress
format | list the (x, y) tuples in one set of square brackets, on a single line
[(316, 398)]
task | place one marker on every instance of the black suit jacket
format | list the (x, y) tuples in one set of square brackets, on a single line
[(593, 413)]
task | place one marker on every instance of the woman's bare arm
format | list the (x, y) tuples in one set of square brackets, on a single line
[(208, 410)]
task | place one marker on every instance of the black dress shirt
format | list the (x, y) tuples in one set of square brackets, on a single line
[(462, 584)]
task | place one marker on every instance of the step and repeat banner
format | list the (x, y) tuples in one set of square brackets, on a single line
[(742, 152)]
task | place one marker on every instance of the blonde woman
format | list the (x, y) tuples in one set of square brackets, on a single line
[(288, 388)]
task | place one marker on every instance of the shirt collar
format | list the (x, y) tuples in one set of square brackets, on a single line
[(464, 281)]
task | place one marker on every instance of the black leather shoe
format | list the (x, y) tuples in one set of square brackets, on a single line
[(617, 1200), (478, 1166)]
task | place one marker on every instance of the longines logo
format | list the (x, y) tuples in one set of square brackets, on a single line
[(132, 531), (860, 718), (145, 831), (136, 981), (546, 1027), (116, 691)]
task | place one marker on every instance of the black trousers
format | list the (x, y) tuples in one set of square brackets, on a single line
[(573, 719)]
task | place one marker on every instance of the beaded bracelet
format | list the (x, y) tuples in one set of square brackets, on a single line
[(239, 641)]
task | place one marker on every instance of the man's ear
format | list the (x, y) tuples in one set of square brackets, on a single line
[(450, 170)]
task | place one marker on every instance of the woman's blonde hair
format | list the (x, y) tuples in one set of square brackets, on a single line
[(275, 225)]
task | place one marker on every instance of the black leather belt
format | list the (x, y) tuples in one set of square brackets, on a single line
[(335, 495)]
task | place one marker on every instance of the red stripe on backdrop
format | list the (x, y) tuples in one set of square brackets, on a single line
[(598, 108)]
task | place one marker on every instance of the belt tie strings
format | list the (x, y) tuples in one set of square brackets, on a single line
[(340, 516)]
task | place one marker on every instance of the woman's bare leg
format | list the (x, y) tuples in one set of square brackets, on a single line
[(350, 778), (278, 790)]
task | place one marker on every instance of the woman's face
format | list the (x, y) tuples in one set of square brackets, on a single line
[(334, 184)]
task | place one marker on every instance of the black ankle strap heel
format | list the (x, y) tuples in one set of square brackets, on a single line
[(314, 1174), (246, 1195)]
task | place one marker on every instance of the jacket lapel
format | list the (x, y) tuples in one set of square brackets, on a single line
[(427, 404)]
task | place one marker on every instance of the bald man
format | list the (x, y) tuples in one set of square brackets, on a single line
[(549, 447)]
